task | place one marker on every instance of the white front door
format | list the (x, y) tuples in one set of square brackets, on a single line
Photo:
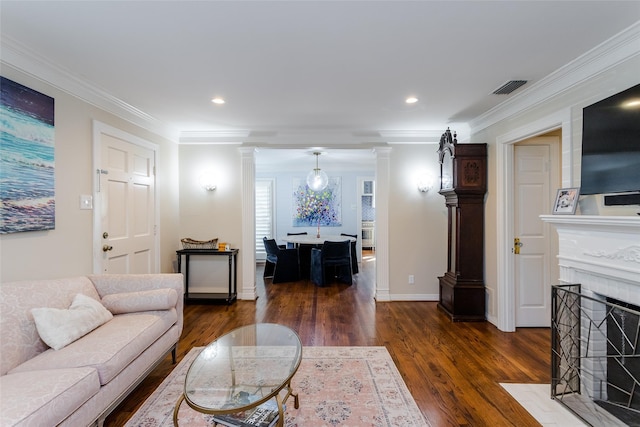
[(535, 266), (126, 237)]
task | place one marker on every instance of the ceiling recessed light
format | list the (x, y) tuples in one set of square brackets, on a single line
[(217, 100), (411, 100)]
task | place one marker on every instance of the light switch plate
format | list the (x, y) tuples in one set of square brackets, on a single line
[(86, 202)]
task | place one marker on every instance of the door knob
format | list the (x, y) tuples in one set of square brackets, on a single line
[(517, 244), (106, 248)]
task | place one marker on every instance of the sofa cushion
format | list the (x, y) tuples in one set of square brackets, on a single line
[(133, 302), (18, 333), (45, 397), (59, 327), (109, 348)]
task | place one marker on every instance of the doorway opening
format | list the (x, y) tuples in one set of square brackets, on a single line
[(536, 178), (504, 315)]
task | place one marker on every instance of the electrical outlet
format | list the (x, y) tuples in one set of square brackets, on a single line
[(412, 279)]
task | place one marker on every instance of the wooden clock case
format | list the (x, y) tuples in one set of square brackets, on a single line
[(463, 185)]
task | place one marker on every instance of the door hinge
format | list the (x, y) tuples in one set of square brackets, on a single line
[(101, 172)]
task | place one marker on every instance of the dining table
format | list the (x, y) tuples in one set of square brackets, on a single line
[(312, 239), (305, 242)]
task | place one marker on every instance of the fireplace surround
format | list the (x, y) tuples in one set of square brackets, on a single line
[(596, 301)]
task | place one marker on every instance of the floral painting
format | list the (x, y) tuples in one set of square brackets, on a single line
[(317, 208), (27, 186)]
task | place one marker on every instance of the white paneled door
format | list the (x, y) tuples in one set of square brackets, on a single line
[(126, 239), (535, 181)]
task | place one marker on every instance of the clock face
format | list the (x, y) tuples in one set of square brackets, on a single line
[(447, 171)]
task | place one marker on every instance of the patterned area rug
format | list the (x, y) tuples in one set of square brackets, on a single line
[(338, 386)]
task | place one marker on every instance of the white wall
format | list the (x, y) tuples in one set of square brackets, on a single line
[(418, 220), (67, 250), (568, 103), (417, 224), (285, 202), (186, 210), (206, 215)]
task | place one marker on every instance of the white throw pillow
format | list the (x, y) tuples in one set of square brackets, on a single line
[(59, 327)]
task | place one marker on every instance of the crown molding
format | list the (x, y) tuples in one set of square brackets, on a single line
[(397, 137), (411, 136), (618, 49), (19, 57), (311, 137), (213, 137)]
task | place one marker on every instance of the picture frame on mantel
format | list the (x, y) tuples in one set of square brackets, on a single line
[(566, 201)]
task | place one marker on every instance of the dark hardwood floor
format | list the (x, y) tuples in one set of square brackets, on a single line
[(453, 370)]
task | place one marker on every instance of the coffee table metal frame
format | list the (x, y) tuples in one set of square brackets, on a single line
[(270, 394)]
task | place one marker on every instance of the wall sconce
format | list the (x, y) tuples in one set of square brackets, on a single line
[(208, 181), (425, 183)]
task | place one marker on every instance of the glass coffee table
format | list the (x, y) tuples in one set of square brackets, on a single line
[(242, 370)]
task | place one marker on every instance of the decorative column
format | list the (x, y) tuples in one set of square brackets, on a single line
[(248, 253), (383, 168)]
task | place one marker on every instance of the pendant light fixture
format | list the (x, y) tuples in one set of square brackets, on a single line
[(317, 179)]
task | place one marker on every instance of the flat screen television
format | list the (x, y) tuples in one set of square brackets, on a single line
[(611, 144)]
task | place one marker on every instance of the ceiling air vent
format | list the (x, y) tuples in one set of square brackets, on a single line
[(509, 87)]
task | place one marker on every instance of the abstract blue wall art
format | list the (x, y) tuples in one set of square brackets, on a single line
[(27, 185), (317, 208)]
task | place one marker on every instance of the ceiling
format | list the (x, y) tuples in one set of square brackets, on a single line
[(309, 73)]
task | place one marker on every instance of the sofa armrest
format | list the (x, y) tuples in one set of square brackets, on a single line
[(109, 284)]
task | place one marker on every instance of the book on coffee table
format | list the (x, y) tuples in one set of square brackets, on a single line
[(265, 415)]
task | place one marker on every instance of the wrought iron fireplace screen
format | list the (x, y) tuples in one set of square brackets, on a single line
[(595, 357)]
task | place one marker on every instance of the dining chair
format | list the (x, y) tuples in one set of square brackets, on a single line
[(332, 261), (354, 253), (281, 264), (304, 255)]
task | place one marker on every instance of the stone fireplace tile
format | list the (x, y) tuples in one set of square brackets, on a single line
[(535, 398)]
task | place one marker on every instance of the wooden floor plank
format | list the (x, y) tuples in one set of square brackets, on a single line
[(453, 370)]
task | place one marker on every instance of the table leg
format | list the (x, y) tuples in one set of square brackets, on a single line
[(296, 402), (304, 259), (279, 401), (176, 409), (229, 293)]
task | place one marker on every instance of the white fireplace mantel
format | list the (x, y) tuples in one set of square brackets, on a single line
[(602, 253)]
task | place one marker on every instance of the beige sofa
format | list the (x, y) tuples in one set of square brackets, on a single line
[(80, 383)]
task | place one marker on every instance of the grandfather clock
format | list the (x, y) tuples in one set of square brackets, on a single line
[(463, 173)]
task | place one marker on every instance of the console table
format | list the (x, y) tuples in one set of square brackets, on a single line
[(228, 297)]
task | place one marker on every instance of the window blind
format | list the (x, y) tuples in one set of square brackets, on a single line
[(264, 214)]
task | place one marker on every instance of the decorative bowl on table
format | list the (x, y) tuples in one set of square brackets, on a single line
[(189, 243)]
